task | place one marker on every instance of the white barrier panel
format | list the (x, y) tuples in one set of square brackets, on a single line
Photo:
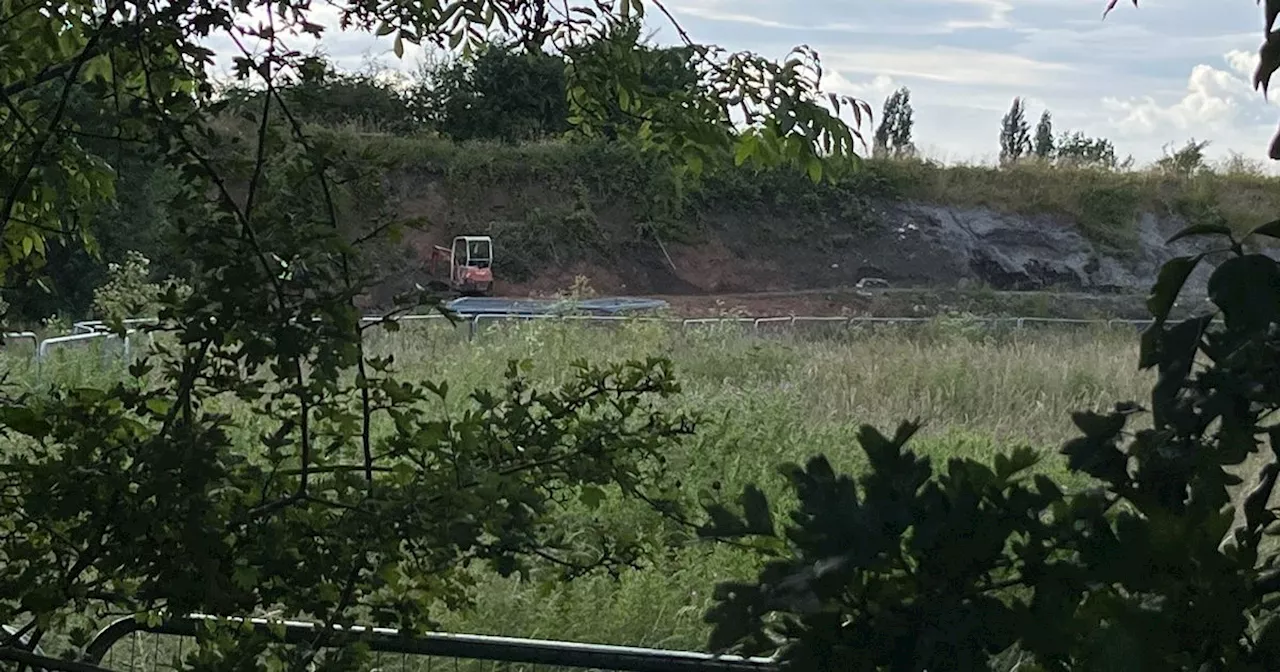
[(716, 321), (24, 336), (95, 329), (43, 351), (92, 326), (405, 318)]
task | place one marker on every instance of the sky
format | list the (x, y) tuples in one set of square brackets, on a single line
[(1146, 78)]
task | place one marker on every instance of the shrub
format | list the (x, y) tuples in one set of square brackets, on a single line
[(129, 292), (914, 567)]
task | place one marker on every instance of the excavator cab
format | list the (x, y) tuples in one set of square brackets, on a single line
[(470, 264)]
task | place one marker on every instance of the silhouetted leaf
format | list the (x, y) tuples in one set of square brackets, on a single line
[(1268, 635), (1047, 487), (1247, 290), (1271, 228), (1111, 4), (1099, 427), (1174, 352), (591, 496), (724, 523), (1173, 275), (755, 507), (1098, 458), (1268, 61), (1200, 230), (25, 420)]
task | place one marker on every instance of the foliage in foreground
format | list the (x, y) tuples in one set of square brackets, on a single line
[(321, 513), (912, 567), (344, 496), (317, 507)]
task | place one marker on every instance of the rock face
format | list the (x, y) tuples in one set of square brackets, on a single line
[(931, 244)]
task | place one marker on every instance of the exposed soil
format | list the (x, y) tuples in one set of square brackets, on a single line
[(760, 261)]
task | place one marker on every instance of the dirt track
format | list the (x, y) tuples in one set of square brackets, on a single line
[(899, 302)]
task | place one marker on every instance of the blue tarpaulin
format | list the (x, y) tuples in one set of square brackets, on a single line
[(484, 305)]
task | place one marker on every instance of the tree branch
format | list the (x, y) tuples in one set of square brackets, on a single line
[(72, 72)]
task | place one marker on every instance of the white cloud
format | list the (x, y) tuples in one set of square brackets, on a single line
[(1242, 62), (949, 65), (1213, 100), (1219, 105), (347, 49), (713, 14), (874, 90), (998, 12), (928, 17)]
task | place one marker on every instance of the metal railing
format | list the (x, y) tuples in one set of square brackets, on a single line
[(475, 324), (23, 336), (506, 650), (794, 321), (36, 662)]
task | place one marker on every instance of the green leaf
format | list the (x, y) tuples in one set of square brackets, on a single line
[(1173, 275), (1268, 61), (1173, 351), (1097, 426), (1098, 458), (724, 523), (694, 162), (1247, 290), (815, 169), (1270, 229), (159, 406), (591, 496), (755, 506), (746, 148), (1047, 487), (245, 577), (1201, 230), (24, 420), (399, 47)]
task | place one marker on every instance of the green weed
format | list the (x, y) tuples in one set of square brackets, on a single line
[(765, 401)]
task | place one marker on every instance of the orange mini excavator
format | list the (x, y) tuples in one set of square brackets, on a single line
[(470, 264)]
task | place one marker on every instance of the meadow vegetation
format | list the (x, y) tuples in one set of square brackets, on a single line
[(275, 454), (764, 400)]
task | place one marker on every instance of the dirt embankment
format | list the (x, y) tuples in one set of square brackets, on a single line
[(759, 260)]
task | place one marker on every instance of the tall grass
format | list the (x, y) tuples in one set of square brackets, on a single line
[(785, 399), (766, 400)]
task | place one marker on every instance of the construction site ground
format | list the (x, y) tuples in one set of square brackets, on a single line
[(900, 302)]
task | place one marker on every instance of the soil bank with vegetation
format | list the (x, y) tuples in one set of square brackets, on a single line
[(558, 211)]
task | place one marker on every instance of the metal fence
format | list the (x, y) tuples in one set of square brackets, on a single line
[(475, 325), (131, 645), (35, 662)]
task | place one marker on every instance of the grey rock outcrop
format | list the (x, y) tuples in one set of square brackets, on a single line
[(935, 244)]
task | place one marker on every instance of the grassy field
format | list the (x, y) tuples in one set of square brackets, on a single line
[(784, 400), (770, 400)]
